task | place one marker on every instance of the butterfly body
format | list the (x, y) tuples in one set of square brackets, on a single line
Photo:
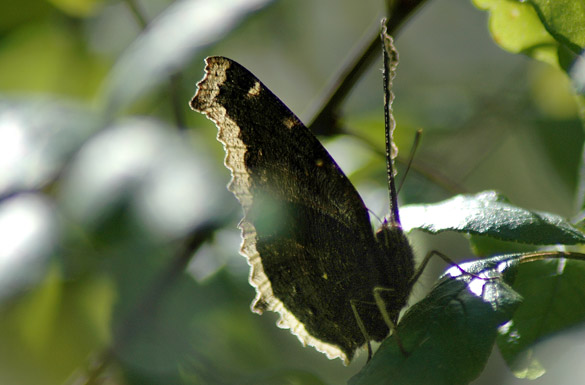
[(306, 231)]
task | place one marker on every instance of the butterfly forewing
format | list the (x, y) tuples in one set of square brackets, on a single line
[(306, 231)]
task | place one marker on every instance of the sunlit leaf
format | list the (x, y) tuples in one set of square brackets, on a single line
[(170, 40), (489, 213), (28, 235), (36, 139), (563, 19), (555, 98), (515, 26), (141, 165)]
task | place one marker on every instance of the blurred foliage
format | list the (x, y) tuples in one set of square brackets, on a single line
[(553, 301), (118, 239)]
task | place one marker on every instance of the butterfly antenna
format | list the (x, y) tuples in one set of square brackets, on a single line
[(415, 144), (375, 215), (390, 64)]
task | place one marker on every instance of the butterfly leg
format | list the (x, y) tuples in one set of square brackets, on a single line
[(391, 324), (426, 260), (361, 325)]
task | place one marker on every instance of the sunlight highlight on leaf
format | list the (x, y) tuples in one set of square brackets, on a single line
[(141, 165), (169, 41), (564, 20), (13, 144), (577, 73), (27, 233), (36, 138), (515, 26), (491, 214)]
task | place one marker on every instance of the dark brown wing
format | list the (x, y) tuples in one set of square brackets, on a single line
[(306, 231)]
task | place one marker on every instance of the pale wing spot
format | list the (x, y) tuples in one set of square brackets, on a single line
[(255, 89), (289, 122)]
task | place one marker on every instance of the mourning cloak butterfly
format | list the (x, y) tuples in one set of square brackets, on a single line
[(306, 232)]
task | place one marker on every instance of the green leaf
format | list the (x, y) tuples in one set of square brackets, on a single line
[(550, 31), (489, 213), (482, 246), (516, 27), (449, 334), (17, 12), (170, 41), (54, 327), (563, 19), (554, 299), (68, 67)]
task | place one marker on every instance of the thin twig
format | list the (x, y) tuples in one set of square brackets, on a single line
[(540, 256), (324, 120), (138, 13), (429, 172), (177, 104), (413, 149)]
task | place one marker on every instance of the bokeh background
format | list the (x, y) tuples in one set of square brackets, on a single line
[(108, 180)]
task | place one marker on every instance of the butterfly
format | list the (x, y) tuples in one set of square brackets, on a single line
[(314, 257)]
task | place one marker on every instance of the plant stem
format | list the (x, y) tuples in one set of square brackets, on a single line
[(138, 14), (178, 107), (324, 120)]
